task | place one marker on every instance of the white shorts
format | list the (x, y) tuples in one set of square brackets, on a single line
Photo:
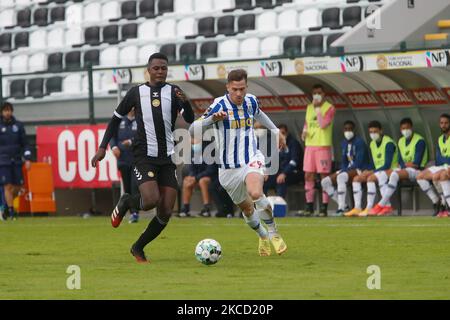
[(412, 173), (233, 180), (436, 169)]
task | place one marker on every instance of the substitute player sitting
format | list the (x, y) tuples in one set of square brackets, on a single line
[(241, 171)]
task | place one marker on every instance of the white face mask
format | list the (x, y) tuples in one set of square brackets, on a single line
[(375, 136), (407, 133), (349, 135), (318, 98)]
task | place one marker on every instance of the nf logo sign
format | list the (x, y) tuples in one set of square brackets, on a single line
[(437, 58), (271, 68), (352, 63), (122, 76), (194, 72)]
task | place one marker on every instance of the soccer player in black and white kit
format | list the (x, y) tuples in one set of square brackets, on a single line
[(157, 105)]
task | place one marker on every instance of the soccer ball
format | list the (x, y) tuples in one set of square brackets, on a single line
[(208, 251)]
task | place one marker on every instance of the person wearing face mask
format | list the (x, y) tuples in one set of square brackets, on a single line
[(318, 137), (384, 157), (355, 160), (413, 156), (438, 174)]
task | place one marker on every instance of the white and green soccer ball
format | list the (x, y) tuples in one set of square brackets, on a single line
[(208, 251)]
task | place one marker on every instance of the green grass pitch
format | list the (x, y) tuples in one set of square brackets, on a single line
[(327, 259)]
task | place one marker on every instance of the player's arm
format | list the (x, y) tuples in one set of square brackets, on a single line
[(344, 160), (183, 105), (262, 118), (420, 151), (213, 114), (125, 106), (327, 119), (25, 146), (360, 160)]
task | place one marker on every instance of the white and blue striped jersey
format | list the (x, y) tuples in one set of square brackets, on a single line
[(235, 136)]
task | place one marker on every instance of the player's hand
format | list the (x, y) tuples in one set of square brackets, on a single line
[(304, 134), (98, 157), (281, 178), (180, 95), (127, 143), (266, 177), (219, 116), (281, 142), (410, 165), (116, 152), (27, 165)]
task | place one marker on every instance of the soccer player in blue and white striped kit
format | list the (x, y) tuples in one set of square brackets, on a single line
[(241, 171)]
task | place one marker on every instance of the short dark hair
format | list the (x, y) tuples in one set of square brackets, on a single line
[(318, 86), (283, 126), (237, 75), (375, 124), (406, 121), (7, 105), (445, 115), (350, 122), (157, 55)]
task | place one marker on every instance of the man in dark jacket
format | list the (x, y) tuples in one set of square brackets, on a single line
[(121, 146), (13, 146), (290, 162)]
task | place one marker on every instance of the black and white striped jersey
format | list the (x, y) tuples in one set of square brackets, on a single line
[(156, 109)]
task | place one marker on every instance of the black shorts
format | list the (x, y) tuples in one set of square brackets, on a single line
[(11, 174), (162, 171)]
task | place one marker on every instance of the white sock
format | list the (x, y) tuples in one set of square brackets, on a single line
[(357, 194), (426, 187), (264, 211), (327, 186), (255, 223), (446, 191), (389, 189), (438, 187), (383, 178), (342, 180), (371, 194)]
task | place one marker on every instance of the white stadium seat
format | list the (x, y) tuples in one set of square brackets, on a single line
[(38, 1), (228, 49), (5, 86), (306, 2), (287, 20), (183, 6), (7, 18), (5, 63), (6, 3), (145, 52), (266, 21), (309, 18), (22, 2), (110, 10), (74, 15), (55, 38), (72, 84), (223, 4), (147, 30), (73, 36), (166, 29), (271, 46), (96, 81), (109, 57), (37, 62), (204, 5), (19, 63), (186, 27), (249, 48), (128, 56), (38, 39), (92, 11)]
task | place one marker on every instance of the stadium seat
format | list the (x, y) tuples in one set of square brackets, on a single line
[(208, 50), (92, 36), (24, 18), (351, 16), (314, 45), (309, 18), (55, 38), (165, 6), (36, 88), (17, 89), (128, 56), (74, 14), (57, 14), (6, 3), (287, 20), (188, 52), (266, 21), (5, 63), (225, 25), (73, 60), (183, 7), (37, 62), (38, 39), (246, 22), (270, 46), (110, 10), (280, 2), (266, 4), (145, 52), (249, 48), (229, 49), (111, 34), (91, 56), (109, 56), (223, 4), (170, 50), (19, 63), (147, 8), (128, 10), (53, 85), (73, 36), (40, 17), (7, 18), (330, 18), (166, 29), (206, 26), (185, 27), (243, 4), (92, 12), (147, 30), (330, 39), (23, 2), (292, 46), (5, 42), (21, 40), (5, 88), (129, 31), (203, 5), (55, 62), (72, 84)]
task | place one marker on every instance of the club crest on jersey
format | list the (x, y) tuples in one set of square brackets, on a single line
[(151, 174), (156, 103)]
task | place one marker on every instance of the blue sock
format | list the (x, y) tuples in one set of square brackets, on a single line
[(11, 212)]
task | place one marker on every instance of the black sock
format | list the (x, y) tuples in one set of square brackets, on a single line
[(153, 230), (11, 211), (186, 208), (207, 207)]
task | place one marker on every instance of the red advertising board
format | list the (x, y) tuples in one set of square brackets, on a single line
[(69, 149), (427, 96), (362, 99), (392, 98)]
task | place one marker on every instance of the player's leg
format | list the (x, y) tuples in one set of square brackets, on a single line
[(309, 167), (445, 184), (437, 184), (188, 188), (357, 193), (323, 164), (423, 180), (394, 178), (371, 194), (2, 203), (134, 190), (328, 184), (204, 188), (382, 178)]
